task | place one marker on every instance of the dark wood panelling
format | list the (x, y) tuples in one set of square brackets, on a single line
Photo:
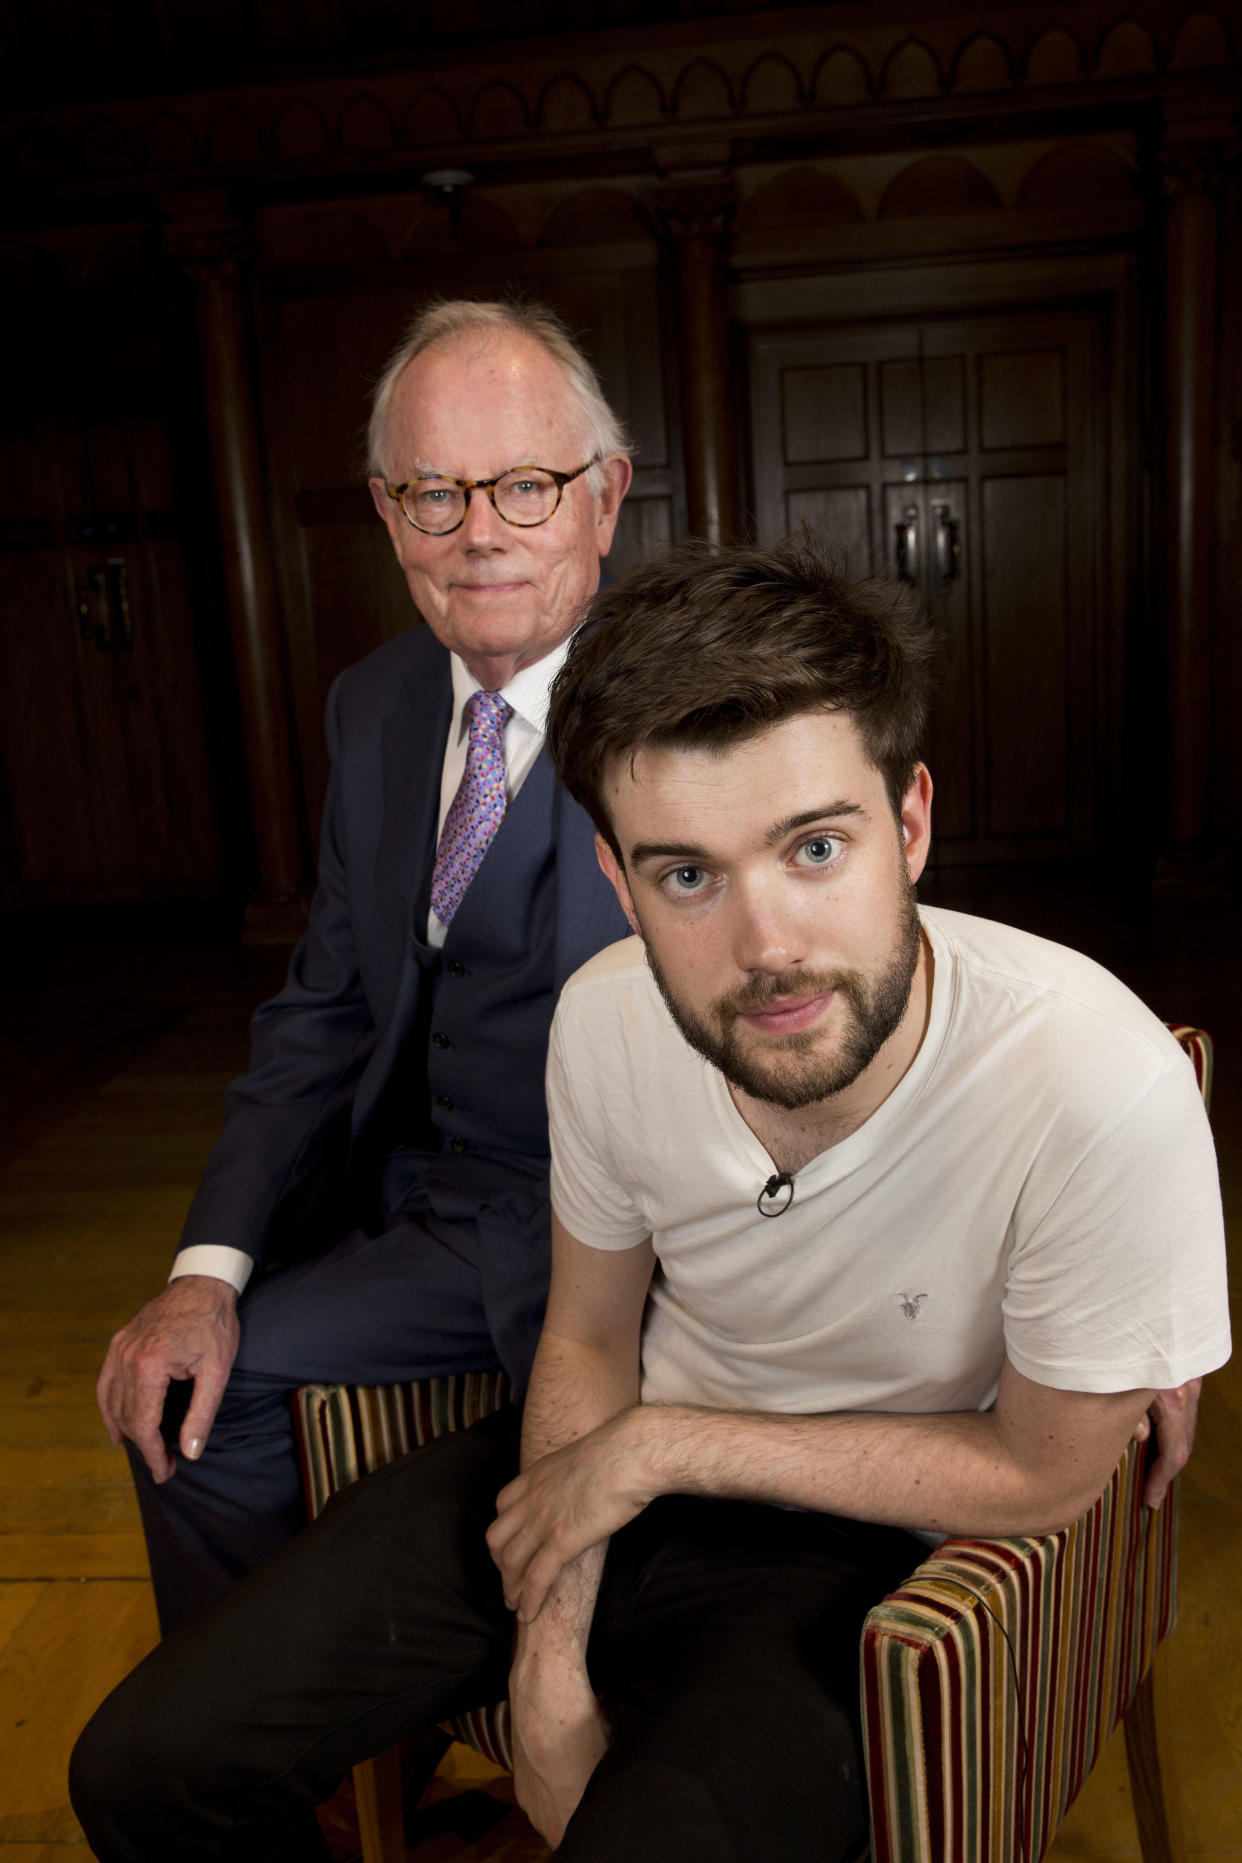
[(841, 515), (108, 770), (324, 338), (1022, 399), (1025, 621), (978, 483), (888, 173), (824, 412)]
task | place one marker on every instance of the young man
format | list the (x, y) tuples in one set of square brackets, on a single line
[(869, 1224)]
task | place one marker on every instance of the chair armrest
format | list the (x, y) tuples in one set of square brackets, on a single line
[(993, 1677), (348, 1430)]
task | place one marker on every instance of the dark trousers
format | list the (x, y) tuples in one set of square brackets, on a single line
[(725, 1647), (377, 1309)]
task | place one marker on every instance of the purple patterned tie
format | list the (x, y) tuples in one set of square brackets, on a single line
[(478, 807)]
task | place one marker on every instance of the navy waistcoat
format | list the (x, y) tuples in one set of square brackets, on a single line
[(472, 1119)]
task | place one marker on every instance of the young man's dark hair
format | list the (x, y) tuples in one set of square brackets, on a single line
[(692, 648)]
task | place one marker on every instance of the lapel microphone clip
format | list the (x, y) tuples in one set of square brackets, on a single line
[(778, 1191)]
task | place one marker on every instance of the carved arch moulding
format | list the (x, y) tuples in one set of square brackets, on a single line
[(745, 83)]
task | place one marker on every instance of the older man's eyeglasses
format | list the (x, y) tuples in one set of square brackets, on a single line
[(524, 496)]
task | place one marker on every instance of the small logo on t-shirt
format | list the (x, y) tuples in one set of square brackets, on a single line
[(910, 1304)]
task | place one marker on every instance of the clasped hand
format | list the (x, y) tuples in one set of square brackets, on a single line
[(568, 1500), (1173, 1415)]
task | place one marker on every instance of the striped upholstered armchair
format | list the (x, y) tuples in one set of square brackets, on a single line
[(991, 1680)]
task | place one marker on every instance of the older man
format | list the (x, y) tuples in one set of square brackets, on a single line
[(397, 1080), (871, 1222)]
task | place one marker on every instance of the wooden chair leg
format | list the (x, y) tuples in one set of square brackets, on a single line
[(381, 1819), (1150, 1751)]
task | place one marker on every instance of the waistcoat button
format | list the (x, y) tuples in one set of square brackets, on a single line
[(455, 968), (458, 1144), (444, 1103), (440, 1040)]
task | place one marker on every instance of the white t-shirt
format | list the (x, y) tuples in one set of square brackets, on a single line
[(1040, 1183)]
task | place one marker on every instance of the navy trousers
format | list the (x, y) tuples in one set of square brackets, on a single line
[(379, 1309), (725, 1649)]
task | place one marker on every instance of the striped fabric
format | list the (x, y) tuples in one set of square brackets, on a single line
[(345, 1431), (990, 1681), (1198, 1045)]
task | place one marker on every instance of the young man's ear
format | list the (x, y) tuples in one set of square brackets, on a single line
[(916, 820), (614, 872)]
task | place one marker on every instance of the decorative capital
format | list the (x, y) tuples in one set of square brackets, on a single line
[(206, 241), (693, 212), (1200, 147)]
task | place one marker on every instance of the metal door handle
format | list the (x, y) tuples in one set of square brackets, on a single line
[(948, 546), (93, 602), (908, 545), (86, 624), (105, 593), (120, 621)]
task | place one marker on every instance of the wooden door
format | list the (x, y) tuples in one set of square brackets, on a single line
[(962, 453), (105, 754)]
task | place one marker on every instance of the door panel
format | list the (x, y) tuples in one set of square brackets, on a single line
[(1022, 399), (965, 446), (105, 752), (843, 516), (1023, 614), (825, 413)]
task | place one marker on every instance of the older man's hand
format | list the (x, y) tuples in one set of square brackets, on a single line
[(190, 1330), (1172, 1415)]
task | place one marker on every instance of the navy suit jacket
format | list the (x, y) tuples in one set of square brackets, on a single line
[(328, 1047)]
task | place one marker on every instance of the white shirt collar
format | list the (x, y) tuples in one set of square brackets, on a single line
[(527, 692)]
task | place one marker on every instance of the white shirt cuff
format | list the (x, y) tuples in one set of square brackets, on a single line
[(224, 1264)]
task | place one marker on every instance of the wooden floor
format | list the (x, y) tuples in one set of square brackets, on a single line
[(114, 1055)]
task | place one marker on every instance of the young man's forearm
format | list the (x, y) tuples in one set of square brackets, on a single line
[(573, 1390), (949, 1472), (558, 1726), (1030, 1465)]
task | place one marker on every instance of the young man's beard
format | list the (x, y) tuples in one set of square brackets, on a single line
[(876, 1006)]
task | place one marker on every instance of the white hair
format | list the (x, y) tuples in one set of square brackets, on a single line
[(603, 433)]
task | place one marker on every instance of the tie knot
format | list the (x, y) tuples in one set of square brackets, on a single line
[(488, 715)]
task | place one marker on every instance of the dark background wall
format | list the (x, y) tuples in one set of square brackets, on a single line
[(958, 287)]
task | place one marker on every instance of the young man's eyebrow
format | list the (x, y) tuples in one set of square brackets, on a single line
[(689, 850), (676, 850), (832, 811)]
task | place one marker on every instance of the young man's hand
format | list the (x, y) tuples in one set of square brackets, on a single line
[(566, 1502)]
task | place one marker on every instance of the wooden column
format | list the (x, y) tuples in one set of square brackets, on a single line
[(696, 216), (209, 246), (1194, 159)]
